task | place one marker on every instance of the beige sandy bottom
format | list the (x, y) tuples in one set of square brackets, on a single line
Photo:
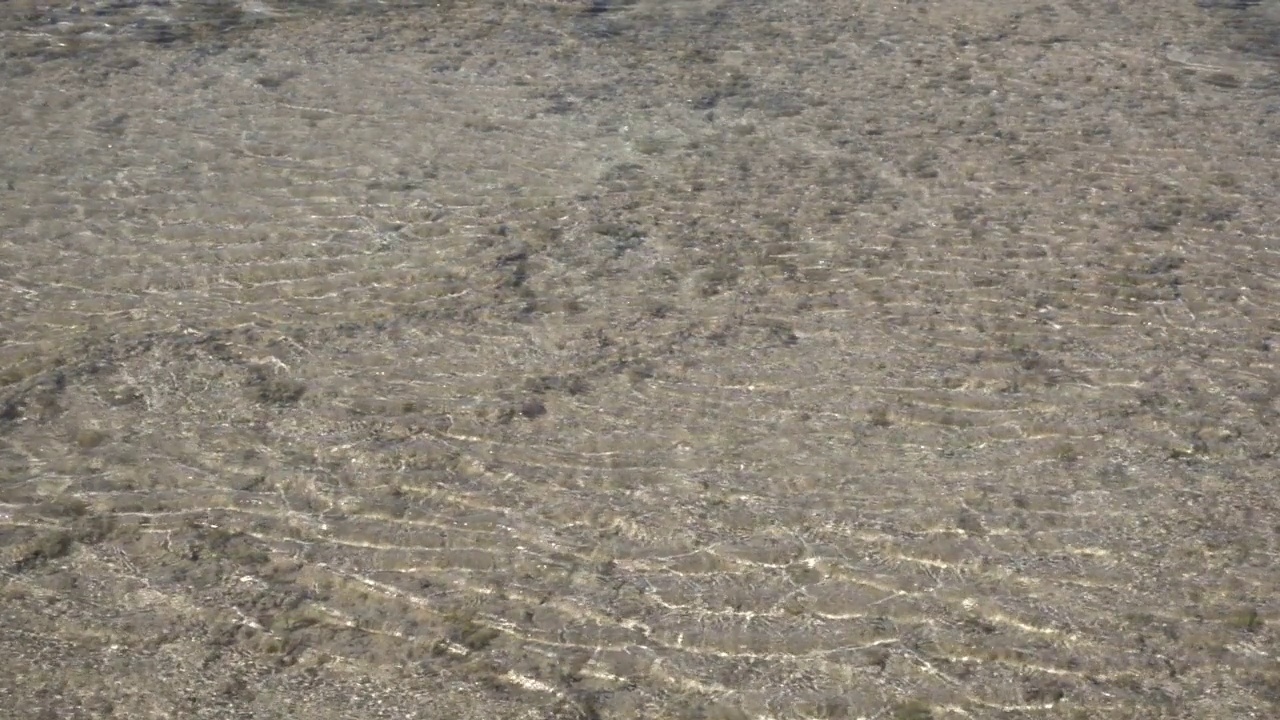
[(730, 360)]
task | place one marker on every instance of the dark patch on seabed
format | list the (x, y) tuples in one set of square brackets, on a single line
[(1251, 27), (74, 28)]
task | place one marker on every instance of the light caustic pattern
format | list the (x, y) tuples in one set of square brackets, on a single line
[(510, 358)]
